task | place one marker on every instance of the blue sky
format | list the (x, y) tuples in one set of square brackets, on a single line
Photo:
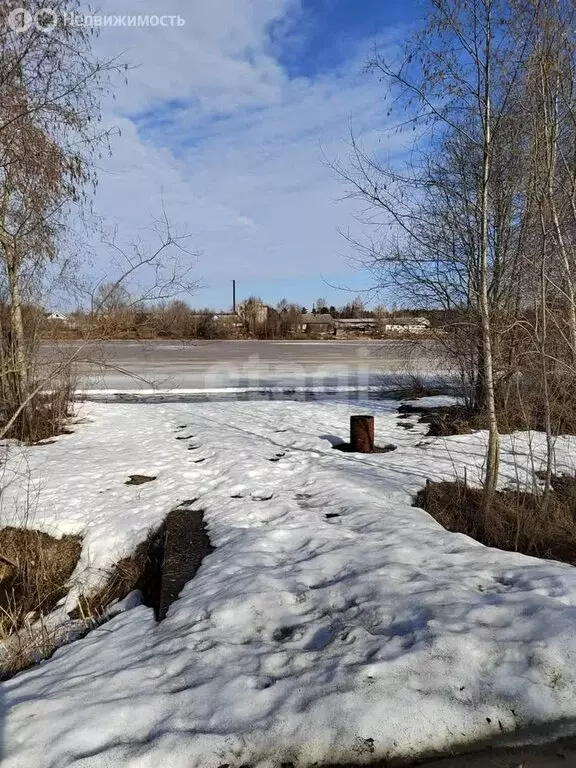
[(228, 119)]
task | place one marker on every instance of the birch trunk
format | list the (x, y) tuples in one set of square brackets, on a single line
[(493, 452)]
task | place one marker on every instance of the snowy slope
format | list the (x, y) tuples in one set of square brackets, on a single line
[(333, 622)]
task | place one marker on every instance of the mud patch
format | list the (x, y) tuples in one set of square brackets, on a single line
[(160, 566), (183, 545), (139, 479)]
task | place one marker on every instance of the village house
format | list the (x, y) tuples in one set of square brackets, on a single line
[(323, 324), (57, 317), (357, 325), (407, 325)]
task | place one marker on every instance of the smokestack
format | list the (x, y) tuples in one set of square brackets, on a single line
[(234, 296)]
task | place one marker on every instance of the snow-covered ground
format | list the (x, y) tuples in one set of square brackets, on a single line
[(333, 622)]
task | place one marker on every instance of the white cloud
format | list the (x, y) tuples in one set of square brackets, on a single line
[(212, 122), (220, 58)]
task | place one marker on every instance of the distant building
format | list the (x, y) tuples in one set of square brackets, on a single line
[(407, 325), (227, 321), (232, 318), (58, 317), (254, 312), (357, 325), (322, 323)]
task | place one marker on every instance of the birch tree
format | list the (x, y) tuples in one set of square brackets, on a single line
[(50, 90), (456, 85)]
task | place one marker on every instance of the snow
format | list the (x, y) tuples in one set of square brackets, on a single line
[(333, 622)]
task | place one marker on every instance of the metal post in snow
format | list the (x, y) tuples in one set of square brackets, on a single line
[(362, 434)]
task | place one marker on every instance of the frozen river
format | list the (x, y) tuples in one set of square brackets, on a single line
[(215, 365)]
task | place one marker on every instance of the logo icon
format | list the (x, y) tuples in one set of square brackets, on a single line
[(46, 19), (20, 20)]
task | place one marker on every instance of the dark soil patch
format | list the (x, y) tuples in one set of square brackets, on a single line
[(186, 544), (516, 520), (34, 572), (347, 448), (160, 566), (139, 479)]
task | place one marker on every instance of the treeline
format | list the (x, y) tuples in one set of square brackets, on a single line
[(120, 317), (480, 213), (171, 320)]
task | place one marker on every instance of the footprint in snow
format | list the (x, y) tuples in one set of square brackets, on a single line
[(321, 638), (261, 495), (187, 503), (281, 634)]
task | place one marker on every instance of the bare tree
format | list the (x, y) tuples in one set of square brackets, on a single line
[(449, 204), (50, 87)]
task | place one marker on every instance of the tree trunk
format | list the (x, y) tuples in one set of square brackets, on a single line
[(480, 384), (493, 453), (19, 367)]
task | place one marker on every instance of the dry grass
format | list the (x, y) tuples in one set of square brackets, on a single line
[(35, 570), (46, 414), (34, 573), (33, 643), (126, 575), (516, 521)]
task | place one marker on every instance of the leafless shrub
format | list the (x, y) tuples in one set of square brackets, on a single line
[(411, 386)]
